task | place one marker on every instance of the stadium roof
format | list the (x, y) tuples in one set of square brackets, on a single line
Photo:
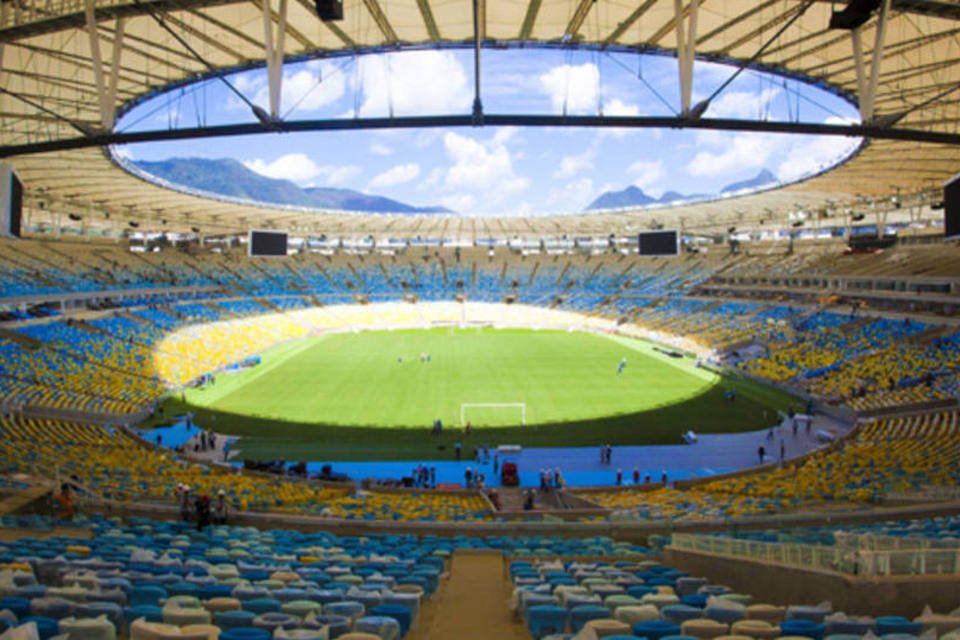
[(68, 66)]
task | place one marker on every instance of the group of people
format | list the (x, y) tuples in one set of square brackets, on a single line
[(551, 479), (200, 509), (425, 477), (474, 480), (606, 452)]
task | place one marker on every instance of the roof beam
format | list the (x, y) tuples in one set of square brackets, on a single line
[(428, 20), (626, 24), (576, 20), (380, 18), (529, 19)]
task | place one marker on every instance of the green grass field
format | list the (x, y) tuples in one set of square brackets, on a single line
[(367, 395)]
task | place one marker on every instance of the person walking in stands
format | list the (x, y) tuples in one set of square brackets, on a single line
[(456, 451), (220, 508), (184, 496), (636, 475), (203, 512), (619, 477), (65, 499), (468, 477), (760, 453)]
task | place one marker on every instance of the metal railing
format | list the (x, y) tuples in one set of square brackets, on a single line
[(862, 562)]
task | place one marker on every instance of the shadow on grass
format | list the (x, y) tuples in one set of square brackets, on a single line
[(755, 407)]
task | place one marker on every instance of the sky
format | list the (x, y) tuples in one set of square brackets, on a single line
[(502, 170)]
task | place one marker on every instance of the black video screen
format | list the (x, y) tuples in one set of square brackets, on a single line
[(659, 243), (268, 243), (951, 209)]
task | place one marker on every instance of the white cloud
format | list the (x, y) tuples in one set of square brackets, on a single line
[(810, 154), (572, 88), (739, 153), (380, 149), (617, 107), (572, 196), (311, 87), (743, 104), (393, 176), (577, 163), (413, 83), (301, 169), (646, 173), (481, 174), (479, 166)]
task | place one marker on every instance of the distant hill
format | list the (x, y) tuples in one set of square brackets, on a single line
[(633, 196), (630, 197), (228, 177), (765, 177)]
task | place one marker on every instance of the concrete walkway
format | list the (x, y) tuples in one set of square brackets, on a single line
[(473, 604)]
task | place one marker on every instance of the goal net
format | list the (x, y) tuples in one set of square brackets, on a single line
[(493, 413)]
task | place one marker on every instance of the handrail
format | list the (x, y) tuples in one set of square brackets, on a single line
[(836, 558)]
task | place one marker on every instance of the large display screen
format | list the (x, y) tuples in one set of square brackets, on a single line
[(951, 208), (268, 243), (659, 243)]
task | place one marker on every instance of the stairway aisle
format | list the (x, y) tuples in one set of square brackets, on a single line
[(472, 604)]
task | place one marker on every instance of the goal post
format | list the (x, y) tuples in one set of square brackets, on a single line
[(522, 406)]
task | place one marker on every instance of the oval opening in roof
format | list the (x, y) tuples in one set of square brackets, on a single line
[(488, 170)]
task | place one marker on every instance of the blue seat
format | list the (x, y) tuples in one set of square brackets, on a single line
[(697, 600), (262, 605), (655, 629), (46, 627), (208, 591), (19, 606), (183, 589), (273, 620), (545, 619), (336, 625), (398, 612), (887, 625), (233, 619), (246, 633), (680, 613), (640, 590), (146, 595), (147, 611), (803, 628), (581, 615)]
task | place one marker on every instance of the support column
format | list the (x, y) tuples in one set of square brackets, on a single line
[(106, 87), (686, 49), (273, 49), (867, 86)]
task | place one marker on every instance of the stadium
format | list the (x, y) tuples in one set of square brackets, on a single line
[(335, 320)]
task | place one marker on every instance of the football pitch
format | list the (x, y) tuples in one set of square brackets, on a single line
[(375, 394)]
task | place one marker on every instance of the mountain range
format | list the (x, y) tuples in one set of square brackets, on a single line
[(634, 196), (227, 177)]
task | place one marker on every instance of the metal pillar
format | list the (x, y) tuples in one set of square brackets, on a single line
[(867, 86), (106, 86), (686, 49), (274, 52)]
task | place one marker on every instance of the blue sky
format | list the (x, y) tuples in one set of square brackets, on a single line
[(503, 170)]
